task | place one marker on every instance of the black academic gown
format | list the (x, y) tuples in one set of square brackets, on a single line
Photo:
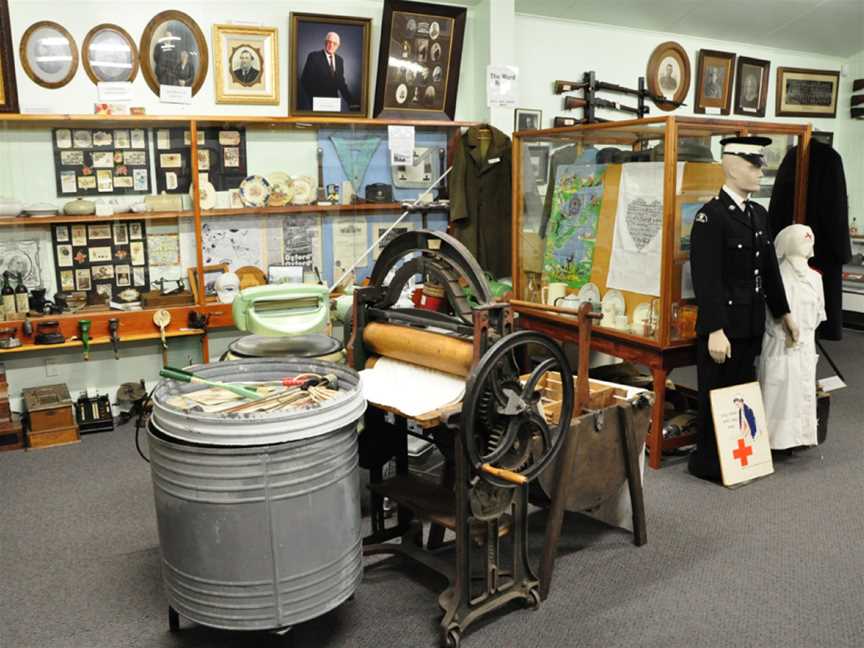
[(735, 275), (827, 215)]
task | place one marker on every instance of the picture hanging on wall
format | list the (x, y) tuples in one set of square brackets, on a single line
[(329, 66), (8, 87), (101, 160), (714, 82), (525, 119), (246, 64), (806, 93), (668, 74), (48, 54), (108, 54), (173, 52), (418, 60), (751, 86)]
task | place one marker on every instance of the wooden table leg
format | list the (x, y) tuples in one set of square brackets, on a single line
[(655, 435), (634, 478)]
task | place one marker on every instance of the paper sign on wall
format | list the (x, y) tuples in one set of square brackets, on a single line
[(400, 139), (175, 94), (114, 91), (502, 86)]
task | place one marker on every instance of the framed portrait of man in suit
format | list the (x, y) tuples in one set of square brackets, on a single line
[(246, 64), (329, 67)]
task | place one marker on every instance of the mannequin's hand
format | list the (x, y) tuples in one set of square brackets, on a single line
[(791, 328), (718, 346)]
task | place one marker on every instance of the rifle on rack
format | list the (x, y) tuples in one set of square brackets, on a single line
[(572, 86), (571, 103)]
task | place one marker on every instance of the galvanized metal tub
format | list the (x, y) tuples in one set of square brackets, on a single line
[(258, 531)]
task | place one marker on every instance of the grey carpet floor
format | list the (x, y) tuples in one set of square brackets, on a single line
[(779, 562)]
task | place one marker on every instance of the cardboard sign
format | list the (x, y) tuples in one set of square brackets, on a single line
[(742, 434)]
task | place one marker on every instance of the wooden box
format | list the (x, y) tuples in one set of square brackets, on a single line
[(50, 416), (599, 395), (11, 434)]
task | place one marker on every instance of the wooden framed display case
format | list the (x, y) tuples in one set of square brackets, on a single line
[(249, 192), (602, 213)]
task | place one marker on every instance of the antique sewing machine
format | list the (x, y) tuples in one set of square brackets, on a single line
[(495, 440)]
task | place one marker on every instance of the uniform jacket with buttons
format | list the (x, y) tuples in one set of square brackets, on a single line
[(734, 269)]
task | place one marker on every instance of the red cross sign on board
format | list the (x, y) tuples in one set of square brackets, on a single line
[(742, 452)]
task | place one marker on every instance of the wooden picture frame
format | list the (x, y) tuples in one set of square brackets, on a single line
[(668, 74), (246, 64), (806, 93), (314, 89), (8, 85), (714, 75), (192, 275), (527, 119), (170, 68), (92, 68), (47, 74), (751, 86), (418, 60)]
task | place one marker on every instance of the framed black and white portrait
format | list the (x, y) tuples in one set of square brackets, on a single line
[(668, 75), (173, 52), (714, 74), (751, 86), (418, 60), (246, 64), (806, 93), (329, 65), (48, 54), (109, 54), (525, 119)]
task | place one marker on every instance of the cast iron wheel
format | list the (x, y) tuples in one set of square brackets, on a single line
[(533, 600), (502, 416), (173, 619)]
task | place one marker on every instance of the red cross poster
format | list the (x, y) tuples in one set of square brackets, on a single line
[(742, 436)]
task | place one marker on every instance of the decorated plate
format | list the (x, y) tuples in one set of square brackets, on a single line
[(304, 190), (590, 293), (281, 189), (615, 299), (255, 191), (642, 318), (207, 192)]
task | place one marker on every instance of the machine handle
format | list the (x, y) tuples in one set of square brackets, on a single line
[(503, 473)]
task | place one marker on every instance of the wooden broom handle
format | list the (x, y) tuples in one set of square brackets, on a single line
[(503, 473)]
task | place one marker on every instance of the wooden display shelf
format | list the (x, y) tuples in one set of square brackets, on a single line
[(302, 209), (99, 341), (217, 120), (90, 219)]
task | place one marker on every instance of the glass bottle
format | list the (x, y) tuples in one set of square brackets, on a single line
[(22, 297), (8, 295)]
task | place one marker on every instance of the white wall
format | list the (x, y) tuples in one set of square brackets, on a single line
[(851, 145)]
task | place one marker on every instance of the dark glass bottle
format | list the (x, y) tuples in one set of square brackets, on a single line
[(22, 297), (8, 294)]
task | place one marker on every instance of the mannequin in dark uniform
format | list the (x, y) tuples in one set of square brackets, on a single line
[(735, 274)]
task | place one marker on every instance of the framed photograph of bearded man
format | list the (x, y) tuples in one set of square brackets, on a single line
[(329, 67), (246, 64)]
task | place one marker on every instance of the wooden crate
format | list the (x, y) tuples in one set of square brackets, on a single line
[(11, 434), (49, 438), (599, 395)]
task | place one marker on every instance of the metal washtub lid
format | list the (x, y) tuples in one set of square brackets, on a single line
[(302, 346), (259, 428)]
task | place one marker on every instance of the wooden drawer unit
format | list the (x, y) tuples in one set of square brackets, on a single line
[(11, 434), (50, 416)]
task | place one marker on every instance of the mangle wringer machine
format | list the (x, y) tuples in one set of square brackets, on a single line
[(496, 441)]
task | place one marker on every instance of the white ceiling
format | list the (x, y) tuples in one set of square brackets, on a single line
[(832, 27)]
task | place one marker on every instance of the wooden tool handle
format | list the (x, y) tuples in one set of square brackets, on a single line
[(554, 309), (503, 473)]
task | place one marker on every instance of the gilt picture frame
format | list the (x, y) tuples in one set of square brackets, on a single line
[(246, 64)]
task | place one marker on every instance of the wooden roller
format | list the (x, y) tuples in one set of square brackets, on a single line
[(423, 348)]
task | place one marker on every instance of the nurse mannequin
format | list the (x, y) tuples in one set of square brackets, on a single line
[(787, 368)]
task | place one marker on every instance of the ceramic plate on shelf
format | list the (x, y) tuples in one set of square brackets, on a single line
[(590, 293), (281, 189), (641, 315), (207, 192), (615, 299), (304, 190), (40, 209), (255, 191)]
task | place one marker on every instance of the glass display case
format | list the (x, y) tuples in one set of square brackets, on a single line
[(603, 214), (114, 218)]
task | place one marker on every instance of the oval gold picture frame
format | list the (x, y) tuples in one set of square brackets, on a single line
[(147, 43), (652, 73), (88, 40), (25, 59)]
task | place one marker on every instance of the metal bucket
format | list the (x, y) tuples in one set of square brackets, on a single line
[(258, 529), (317, 346)]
